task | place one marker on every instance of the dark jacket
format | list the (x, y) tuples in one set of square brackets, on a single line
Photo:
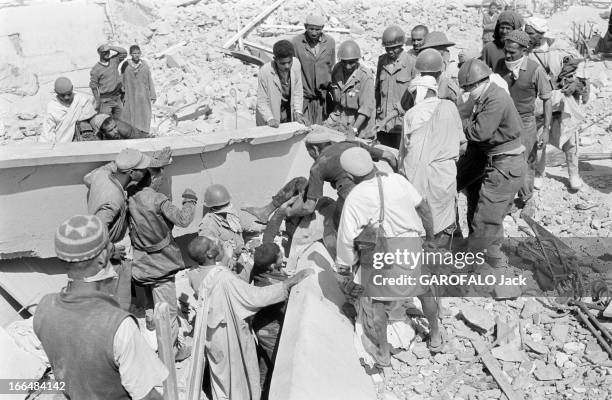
[(316, 70), (495, 124)]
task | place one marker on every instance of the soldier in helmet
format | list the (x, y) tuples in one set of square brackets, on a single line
[(394, 72), (232, 227), (317, 54), (492, 169), (353, 93), (448, 88)]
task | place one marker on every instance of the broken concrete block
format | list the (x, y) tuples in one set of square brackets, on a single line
[(478, 317), (175, 61), (406, 357), (536, 347), (509, 353), (559, 332), (530, 308), (544, 372), (597, 358), (420, 350), (561, 358), (573, 347)]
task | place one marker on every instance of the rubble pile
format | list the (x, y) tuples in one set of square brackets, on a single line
[(552, 358)]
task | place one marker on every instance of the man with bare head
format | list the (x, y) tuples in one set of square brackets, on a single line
[(64, 112), (228, 303), (417, 36)]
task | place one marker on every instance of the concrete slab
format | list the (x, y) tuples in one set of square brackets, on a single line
[(42, 185), (316, 357)]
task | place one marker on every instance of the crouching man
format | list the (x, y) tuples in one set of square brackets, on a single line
[(228, 302), (383, 206)]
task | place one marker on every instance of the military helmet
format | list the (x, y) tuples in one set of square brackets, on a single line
[(429, 60), (473, 71), (393, 36), (216, 195), (349, 50)]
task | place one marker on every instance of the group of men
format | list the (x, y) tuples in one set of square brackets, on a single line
[(474, 126), (119, 108), (88, 330)]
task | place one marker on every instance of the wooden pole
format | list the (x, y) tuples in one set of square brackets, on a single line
[(245, 29), (493, 366), (165, 349), (196, 372)]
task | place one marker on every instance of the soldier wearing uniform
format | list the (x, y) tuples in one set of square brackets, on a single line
[(393, 75), (353, 93), (492, 169)]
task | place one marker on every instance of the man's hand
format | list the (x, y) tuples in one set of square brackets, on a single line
[(298, 277), (462, 148), (543, 137), (189, 195), (299, 118), (349, 288), (118, 253), (161, 158), (273, 123)]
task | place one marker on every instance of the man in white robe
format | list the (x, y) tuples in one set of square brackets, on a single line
[(228, 303), (429, 150), (64, 111)]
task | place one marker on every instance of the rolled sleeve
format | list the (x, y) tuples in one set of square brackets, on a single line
[(140, 369)]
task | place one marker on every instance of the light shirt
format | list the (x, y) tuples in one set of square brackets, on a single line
[(362, 207), (140, 368)]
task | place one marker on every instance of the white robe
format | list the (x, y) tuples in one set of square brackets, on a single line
[(230, 344), (60, 121)]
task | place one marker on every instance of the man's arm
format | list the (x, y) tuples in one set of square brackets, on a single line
[(49, 128), (424, 212), (180, 216), (379, 154), (367, 104), (120, 53), (298, 94), (377, 85), (94, 79), (263, 97), (481, 126), (544, 88), (348, 229), (139, 367)]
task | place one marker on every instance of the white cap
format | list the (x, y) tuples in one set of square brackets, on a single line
[(356, 161), (538, 23)]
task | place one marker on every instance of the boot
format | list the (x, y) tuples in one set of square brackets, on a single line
[(575, 183), (261, 213)]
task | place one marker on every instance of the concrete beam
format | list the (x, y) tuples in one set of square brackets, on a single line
[(43, 185), (316, 357)]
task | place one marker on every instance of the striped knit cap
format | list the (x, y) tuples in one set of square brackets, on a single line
[(80, 238)]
